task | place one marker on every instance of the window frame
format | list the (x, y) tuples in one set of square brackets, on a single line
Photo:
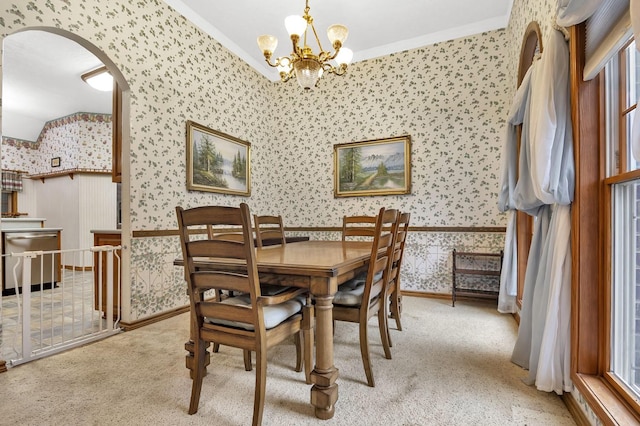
[(591, 214), (620, 175)]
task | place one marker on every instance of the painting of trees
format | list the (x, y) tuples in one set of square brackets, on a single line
[(216, 162)]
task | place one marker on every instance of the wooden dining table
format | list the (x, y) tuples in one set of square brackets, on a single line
[(319, 266)]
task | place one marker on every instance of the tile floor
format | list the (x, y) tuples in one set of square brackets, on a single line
[(58, 316)]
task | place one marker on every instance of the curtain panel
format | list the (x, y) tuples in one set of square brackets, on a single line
[(12, 181)]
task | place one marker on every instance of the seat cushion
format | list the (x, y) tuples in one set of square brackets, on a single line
[(362, 277), (349, 293), (273, 314), (272, 290)]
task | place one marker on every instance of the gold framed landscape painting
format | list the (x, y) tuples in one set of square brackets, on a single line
[(374, 167), (217, 162)]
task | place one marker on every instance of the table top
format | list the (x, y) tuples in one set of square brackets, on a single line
[(309, 258), (314, 258)]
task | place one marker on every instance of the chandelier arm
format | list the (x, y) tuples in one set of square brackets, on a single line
[(267, 59), (337, 47), (341, 70), (286, 76)]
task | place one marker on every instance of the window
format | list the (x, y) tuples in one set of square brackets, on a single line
[(11, 185), (622, 86)]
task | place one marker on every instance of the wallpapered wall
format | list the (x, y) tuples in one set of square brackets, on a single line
[(81, 140), (450, 97)]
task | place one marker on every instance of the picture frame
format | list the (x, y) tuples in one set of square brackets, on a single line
[(55, 162), (373, 167), (217, 162)]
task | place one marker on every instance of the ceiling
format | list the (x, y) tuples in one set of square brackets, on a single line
[(41, 71), (376, 27)]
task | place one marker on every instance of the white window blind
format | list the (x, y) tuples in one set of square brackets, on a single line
[(607, 30)]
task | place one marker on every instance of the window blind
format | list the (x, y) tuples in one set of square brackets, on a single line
[(606, 31)]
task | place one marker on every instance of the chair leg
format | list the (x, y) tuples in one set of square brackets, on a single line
[(383, 325), (199, 352), (298, 342), (396, 309), (216, 347), (364, 351), (247, 360), (261, 382), (307, 331)]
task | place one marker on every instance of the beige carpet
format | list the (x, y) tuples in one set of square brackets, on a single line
[(450, 367)]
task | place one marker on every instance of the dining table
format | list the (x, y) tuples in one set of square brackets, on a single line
[(319, 266)]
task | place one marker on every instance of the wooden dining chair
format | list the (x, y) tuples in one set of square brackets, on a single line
[(251, 321), (271, 228), (267, 228), (393, 282), (357, 302), (358, 226)]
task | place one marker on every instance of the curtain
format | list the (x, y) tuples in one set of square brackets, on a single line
[(11, 181), (544, 190), (509, 273), (572, 12), (506, 201)]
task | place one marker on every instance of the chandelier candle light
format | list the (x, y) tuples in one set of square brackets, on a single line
[(303, 63)]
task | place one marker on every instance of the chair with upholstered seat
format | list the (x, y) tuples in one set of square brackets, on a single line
[(251, 321), (357, 302), (358, 226), (393, 283), (269, 228)]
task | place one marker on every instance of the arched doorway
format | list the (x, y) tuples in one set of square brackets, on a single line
[(54, 59)]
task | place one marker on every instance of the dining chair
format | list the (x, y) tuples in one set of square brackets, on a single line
[(393, 282), (269, 227), (358, 226), (251, 321), (357, 302)]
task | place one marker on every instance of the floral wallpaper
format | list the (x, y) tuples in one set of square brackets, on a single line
[(81, 140), (451, 97)]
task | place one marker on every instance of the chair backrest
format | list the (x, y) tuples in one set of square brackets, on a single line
[(398, 250), (195, 246), (381, 253), (358, 226), (269, 228)]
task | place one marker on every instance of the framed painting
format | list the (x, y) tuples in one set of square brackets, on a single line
[(217, 162), (374, 167)]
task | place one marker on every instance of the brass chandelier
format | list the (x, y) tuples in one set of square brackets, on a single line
[(302, 63)]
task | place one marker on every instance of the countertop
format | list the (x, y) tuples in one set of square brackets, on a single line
[(30, 230), (106, 231), (23, 219)]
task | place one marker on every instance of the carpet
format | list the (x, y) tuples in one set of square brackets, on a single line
[(450, 366)]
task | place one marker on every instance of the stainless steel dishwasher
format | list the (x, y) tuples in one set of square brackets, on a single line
[(45, 269)]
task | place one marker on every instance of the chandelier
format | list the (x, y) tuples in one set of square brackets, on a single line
[(307, 67)]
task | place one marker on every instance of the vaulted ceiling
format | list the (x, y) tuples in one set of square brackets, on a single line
[(41, 71)]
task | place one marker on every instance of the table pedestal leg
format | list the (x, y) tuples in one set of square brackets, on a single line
[(324, 392)]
